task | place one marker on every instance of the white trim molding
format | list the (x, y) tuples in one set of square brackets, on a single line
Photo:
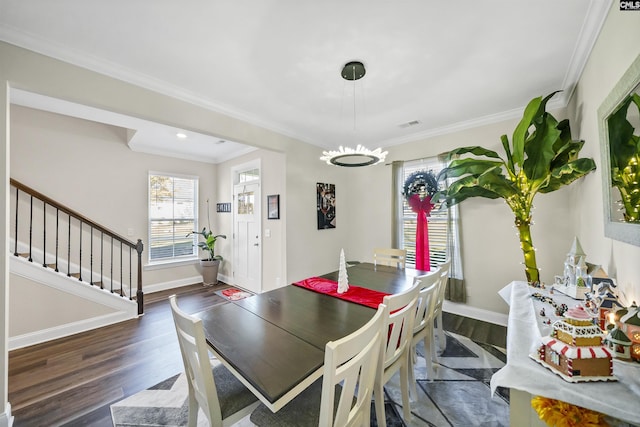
[(6, 419), (475, 313), (163, 286), (65, 330)]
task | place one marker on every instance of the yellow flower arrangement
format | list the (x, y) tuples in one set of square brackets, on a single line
[(557, 413)]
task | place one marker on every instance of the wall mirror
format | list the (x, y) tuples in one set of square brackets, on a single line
[(619, 122)]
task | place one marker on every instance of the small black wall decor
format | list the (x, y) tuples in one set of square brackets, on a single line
[(223, 207), (326, 205), (273, 206)]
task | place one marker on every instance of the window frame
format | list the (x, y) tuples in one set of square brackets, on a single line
[(173, 259)]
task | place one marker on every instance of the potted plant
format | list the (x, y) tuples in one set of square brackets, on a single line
[(541, 158), (210, 264)]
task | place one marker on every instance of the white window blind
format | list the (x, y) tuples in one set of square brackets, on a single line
[(172, 215)]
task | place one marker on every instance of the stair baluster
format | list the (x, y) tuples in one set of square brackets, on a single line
[(30, 228), (91, 259), (101, 260), (80, 252), (57, 237), (69, 249), (44, 234), (15, 250), (111, 274)]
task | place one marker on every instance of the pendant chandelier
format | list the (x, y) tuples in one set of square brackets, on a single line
[(359, 156)]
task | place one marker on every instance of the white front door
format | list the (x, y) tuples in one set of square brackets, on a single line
[(247, 252)]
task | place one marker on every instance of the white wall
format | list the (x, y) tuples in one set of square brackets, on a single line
[(617, 47), (50, 309)]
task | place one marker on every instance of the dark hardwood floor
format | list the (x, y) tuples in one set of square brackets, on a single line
[(477, 330), (74, 380)]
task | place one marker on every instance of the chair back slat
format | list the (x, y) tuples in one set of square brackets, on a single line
[(351, 362), (389, 256), (444, 278), (399, 323), (197, 366), (429, 286)]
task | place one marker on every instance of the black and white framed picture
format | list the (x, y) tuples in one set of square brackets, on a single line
[(326, 201), (273, 206)]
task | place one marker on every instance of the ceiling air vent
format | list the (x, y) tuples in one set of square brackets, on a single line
[(409, 124)]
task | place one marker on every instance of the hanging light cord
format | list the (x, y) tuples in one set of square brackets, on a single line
[(353, 67)]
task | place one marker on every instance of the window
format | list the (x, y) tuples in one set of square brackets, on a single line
[(249, 176), (172, 215), (443, 224)]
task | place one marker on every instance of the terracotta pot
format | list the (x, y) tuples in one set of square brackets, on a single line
[(210, 271)]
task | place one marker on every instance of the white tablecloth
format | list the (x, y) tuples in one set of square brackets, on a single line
[(524, 331)]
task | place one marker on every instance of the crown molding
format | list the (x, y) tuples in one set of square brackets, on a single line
[(110, 69), (596, 16)]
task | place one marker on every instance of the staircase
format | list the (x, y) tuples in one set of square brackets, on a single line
[(55, 245)]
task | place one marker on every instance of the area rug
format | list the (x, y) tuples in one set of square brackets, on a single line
[(233, 294), (459, 395)]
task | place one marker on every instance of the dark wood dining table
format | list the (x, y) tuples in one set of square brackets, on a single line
[(274, 342)]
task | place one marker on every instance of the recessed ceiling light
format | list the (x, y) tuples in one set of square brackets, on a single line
[(181, 135)]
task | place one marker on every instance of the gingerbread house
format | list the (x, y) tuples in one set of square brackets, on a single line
[(575, 349)]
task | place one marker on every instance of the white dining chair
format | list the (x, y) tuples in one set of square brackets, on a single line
[(221, 396), (437, 311), (399, 317), (390, 256), (343, 396), (423, 324)]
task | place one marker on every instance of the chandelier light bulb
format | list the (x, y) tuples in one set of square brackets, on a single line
[(350, 157)]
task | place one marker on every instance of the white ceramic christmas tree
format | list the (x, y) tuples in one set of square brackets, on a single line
[(343, 284)]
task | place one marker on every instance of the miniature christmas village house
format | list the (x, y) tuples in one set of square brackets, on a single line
[(619, 343), (575, 281), (630, 325), (605, 302)]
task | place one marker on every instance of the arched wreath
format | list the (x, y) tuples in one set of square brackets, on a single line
[(419, 189)]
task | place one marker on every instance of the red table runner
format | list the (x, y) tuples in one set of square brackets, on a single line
[(355, 294)]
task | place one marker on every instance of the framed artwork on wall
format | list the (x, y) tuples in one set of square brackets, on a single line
[(326, 205), (273, 206)]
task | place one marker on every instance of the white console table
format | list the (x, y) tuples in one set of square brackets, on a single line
[(527, 378)]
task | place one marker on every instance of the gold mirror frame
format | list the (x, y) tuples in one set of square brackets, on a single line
[(613, 227)]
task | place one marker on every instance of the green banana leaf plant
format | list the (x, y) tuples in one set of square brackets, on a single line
[(624, 150), (540, 158)]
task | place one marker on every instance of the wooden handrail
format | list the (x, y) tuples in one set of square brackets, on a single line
[(69, 211)]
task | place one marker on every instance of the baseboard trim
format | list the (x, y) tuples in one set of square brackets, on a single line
[(6, 419), (226, 279), (475, 313), (32, 338), (163, 286)]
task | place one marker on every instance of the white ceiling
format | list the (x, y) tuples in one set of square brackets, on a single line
[(276, 63)]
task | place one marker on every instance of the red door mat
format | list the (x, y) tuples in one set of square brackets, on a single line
[(233, 294)]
